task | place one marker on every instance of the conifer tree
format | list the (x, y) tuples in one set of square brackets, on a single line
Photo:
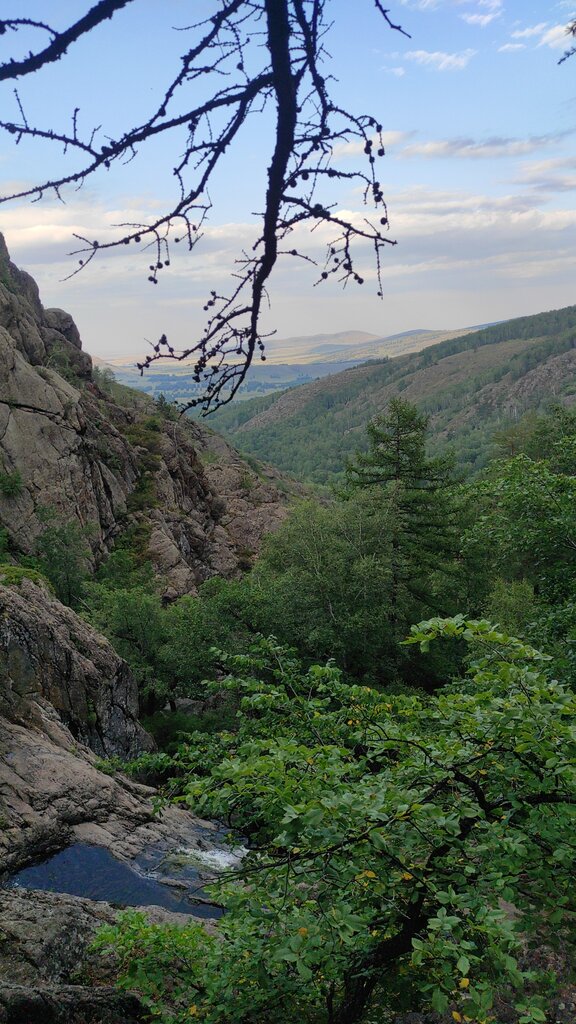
[(418, 495)]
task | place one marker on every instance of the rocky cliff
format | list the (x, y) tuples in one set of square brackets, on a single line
[(97, 455), (65, 698), (52, 661), (110, 460)]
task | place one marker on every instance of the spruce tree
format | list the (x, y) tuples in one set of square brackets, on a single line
[(418, 495)]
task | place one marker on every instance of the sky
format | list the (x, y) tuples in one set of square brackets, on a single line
[(479, 174)]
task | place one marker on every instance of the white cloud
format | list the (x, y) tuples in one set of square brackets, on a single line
[(511, 47), (557, 175), (440, 61), (397, 72), (482, 20), (463, 257), (487, 12), (557, 38), (533, 30), (480, 13), (422, 5), (484, 149)]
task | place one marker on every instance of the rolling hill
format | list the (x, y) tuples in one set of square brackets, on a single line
[(290, 363), (469, 385)]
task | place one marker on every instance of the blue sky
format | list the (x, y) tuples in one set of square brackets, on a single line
[(479, 176)]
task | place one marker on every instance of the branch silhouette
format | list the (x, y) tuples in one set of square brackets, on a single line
[(287, 37)]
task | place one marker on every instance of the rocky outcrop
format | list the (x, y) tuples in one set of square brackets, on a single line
[(108, 461), (66, 700), (41, 946), (68, 1004), (52, 662), (248, 491), (49, 974)]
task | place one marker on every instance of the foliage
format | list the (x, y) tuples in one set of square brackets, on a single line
[(512, 603), (10, 483), (169, 727), (132, 620), (12, 576), (341, 580), (463, 384), (322, 585), (59, 360), (193, 625), (105, 378), (167, 410), (169, 648), (62, 556), (145, 434), (526, 521), (519, 546), (416, 492), (386, 834)]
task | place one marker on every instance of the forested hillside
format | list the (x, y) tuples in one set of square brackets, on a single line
[(404, 788), (469, 386)]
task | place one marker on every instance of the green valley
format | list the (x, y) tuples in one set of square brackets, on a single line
[(470, 386)]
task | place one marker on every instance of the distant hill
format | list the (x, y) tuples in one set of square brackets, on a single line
[(290, 362), (395, 345), (469, 385)]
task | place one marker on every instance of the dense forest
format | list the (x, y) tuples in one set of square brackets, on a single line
[(385, 716), (470, 387)]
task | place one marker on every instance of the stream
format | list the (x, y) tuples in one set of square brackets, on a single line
[(159, 876)]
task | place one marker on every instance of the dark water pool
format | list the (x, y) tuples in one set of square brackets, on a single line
[(92, 872)]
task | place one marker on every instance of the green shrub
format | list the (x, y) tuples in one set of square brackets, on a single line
[(62, 555), (10, 484), (59, 360), (143, 496), (169, 727), (209, 457), (12, 576), (247, 482)]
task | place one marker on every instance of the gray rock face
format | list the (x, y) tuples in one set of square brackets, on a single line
[(65, 699), (78, 452), (49, 656), (68, 1004), (48, 972)]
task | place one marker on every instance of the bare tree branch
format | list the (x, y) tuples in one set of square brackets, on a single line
[(570, 31), (60, 41), (308, 128)]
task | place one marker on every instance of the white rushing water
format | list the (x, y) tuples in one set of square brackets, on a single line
[(215, 859)]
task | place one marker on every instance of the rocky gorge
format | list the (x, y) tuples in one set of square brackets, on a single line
[(67, 700)]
